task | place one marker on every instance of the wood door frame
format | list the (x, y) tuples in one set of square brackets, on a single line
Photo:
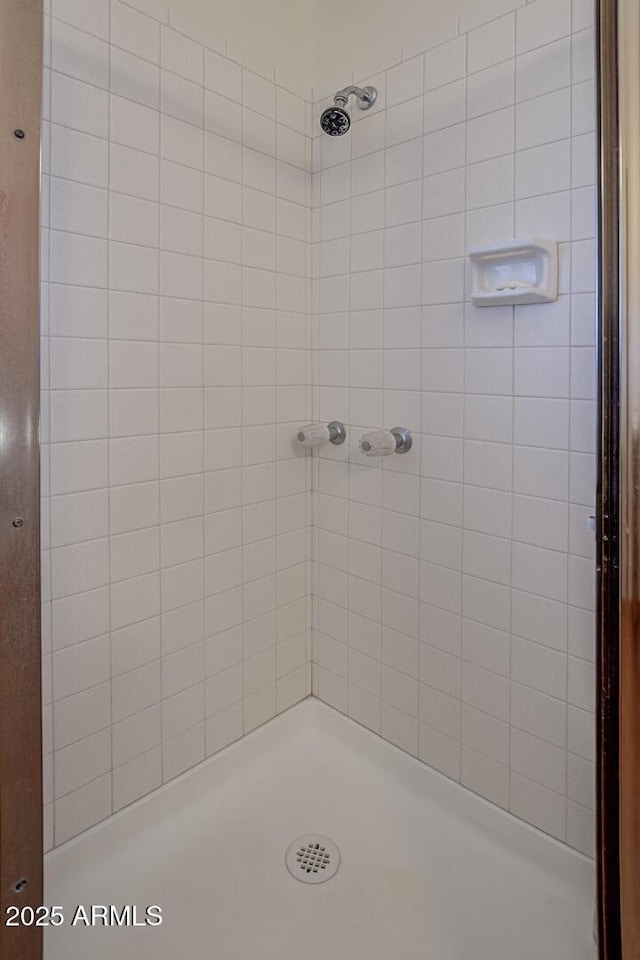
[(21, 64)]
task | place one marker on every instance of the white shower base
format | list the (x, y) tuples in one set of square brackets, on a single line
[(429, 871)]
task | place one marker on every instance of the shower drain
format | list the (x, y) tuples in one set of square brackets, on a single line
[(312, 858)]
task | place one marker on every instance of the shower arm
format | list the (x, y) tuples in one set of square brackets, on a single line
[(366, 96)]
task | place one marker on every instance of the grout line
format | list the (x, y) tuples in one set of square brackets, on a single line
[(160, 614), (513, 434), (203, 320), (108, 350), (568, 622), (243, 651), (464, 433), (49, 554), (421, 492)]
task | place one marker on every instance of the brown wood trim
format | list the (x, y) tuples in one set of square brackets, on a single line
[(20, 696), (608, 623), (630, 782)]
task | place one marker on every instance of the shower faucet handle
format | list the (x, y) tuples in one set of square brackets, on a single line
[(318, 434), (382, 443)]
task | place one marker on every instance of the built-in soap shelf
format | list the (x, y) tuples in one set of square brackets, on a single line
[(516, 271)]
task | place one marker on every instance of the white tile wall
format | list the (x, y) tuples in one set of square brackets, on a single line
[(454, 586), (176, 338)]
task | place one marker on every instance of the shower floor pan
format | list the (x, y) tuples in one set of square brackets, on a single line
[(428, 870)]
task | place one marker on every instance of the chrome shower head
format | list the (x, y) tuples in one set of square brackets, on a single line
[(335, 121)]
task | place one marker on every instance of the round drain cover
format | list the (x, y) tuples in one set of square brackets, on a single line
[(312, 858)]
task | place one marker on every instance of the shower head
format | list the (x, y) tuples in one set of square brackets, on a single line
[(335, 120)]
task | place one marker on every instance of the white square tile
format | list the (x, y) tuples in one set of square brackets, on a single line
[(78, 156), (485, 691), (133, 412), (222, 116), (541, 372), (541, 422), (77, 55), (133, 220), (77, 364), (488, 418), (543, 69), (135, 32), (443, 238), (539, 667), (404, 81), (182, 143), (223, 76), (490, 182), (259, 94), (78, 260), (490, 136), (445, 63), (80, 667), (542, 24), (368, 135), (367, 173), (134, 125), (444, 193), (403, 203), (403, 162), (544, 169), (134, 173), (543, 119), (135, 78), (538, 714), (543, 808), (550, 213), (486, 647), (491, 44), (91, 16), (487, 511), (541, 762), (78, 415), (79, 517), (181, 55), (491, 89), (484, 734), (404, 122), (444, 150), (259, 132), (133, 268), (540, 472), (489, 371), (134, 506), (539, 571)]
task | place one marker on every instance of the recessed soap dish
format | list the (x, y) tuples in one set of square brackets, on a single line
[(517, 271)]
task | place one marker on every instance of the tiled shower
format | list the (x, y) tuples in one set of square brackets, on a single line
[(217, 273)]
